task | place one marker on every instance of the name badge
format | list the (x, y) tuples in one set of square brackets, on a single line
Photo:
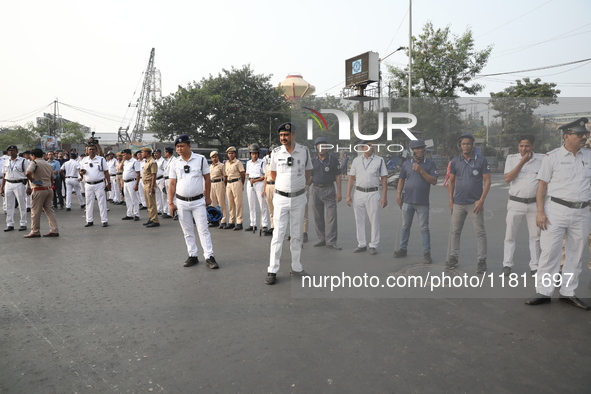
[(475, 172)]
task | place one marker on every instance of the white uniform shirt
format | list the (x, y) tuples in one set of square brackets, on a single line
[(368, 171), (2, 166), (525, 185), (112, 166), (167, 164), (13, 169), (71, 168), (568, 176), (189, 184), (160, 163), (291, 179), (130, 168), (255, 169), (142, 163), (96, 172)]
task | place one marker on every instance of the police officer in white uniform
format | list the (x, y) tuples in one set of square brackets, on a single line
[(521, 172), (70, 171), (131, 181), (291, 166), (190, 184), (115, 193), (160, 197), (168, 159), (255, 172), (95, 172), (14, 187), (563, 197), (367, 173)]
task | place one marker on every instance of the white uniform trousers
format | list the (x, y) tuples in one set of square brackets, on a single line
[(115, 192), (12, 193), (195, 210), (73, 184), (97, 191), (516, 211), (132, 202), (161, 203), (254, 193), (367, 205), (288, 212), (4, 205), (576, 224)]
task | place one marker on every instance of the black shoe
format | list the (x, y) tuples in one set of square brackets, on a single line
[(451, 263), (334, 247), (574, 301), (127, 218), (319, 244), (213, 224), (238, 227), (268, 232), (250, 228), (82, 206), (176, 216), (427, 258), (153, 224), (481, 268), (533, 272), (211, 263), (61, 207), (166, 216), (89, 224), (9, 228), (506, 270), (229, 226), (222, 226), (270, 278), (22, 228), (68, 209), (299, 274), (143, 208), (360, 249), (191, 261), (148, 222), (305, 238), (400, 253), (136, 218), (105, 224), (28, 209), (538, 299)]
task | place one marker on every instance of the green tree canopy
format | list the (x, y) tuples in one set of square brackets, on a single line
[(235, 107), (23, 137), (73, 133)]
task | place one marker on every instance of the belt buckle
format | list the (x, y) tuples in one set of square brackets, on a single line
[(577, 205)]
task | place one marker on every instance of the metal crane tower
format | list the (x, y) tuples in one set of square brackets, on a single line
[(151, 91)]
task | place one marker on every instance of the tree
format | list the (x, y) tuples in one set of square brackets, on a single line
[(443, 65), (73, 133), (23, 137), (515, 107), (233, 107)]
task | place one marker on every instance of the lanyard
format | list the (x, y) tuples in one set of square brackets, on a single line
[(467, 162), (368, 163)]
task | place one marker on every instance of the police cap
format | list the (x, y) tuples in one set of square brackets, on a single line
[(213, 153), (231, 149), (417, 144), (466, 135), (12, 147), (183, 138), (169, 149), (128, 151), (254, 148), (157, 150), (576, 126), (147, 149), (320, 140), (286, 127), (110, 153)]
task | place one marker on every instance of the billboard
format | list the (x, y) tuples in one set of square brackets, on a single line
[(364, 68)]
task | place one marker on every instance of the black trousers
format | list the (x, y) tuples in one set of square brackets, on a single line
[(57, 193)]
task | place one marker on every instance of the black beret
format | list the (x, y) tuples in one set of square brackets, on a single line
[(169, 149), (183, 138), (124, 151), (11, 147), (286, 127)]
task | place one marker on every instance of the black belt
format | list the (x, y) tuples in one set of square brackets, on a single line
[(119, 173), (255, 177), (270, 182), (128, 180), (199, 197), (166, 177), (295, 194), (23, 181), (95, 183), (71, 177), (159, 177), (575, 205), (366, 190), (216, 180), (325, 185), (233, 180), (112, 174), (523, 200)]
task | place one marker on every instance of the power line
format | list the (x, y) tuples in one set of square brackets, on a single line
[(513, 20), (533, 69), (399, 26), (26, 115), (560, 37)]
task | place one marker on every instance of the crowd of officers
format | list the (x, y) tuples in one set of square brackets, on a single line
[(551, 191)]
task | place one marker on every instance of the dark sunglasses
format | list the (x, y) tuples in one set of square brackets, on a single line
[(581, 134)]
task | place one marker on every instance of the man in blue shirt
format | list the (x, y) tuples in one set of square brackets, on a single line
[(466, 191), (57, 192), (416, 177)]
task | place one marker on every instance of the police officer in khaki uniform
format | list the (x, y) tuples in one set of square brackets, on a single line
[(269, 190), (235, 174), (149, 178), (218, 185)]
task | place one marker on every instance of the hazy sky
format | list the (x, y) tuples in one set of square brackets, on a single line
[(92, 55)]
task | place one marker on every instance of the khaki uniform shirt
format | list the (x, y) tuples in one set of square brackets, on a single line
[(42, 171), (217, 171), (150, 170), (233, 169)]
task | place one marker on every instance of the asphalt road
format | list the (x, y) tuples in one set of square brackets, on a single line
[(113, 310)]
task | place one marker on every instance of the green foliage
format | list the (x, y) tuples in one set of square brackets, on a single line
[(73, 133), (23, 137), (443, 65), (234, 107), (515, 108)]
